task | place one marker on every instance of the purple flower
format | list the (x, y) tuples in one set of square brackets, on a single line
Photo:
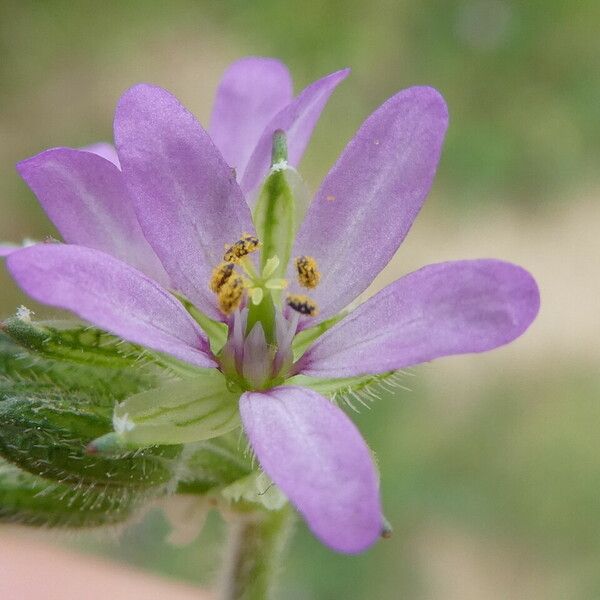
[(177, 213)]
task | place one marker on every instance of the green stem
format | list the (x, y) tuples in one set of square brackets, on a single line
[(256, 545)]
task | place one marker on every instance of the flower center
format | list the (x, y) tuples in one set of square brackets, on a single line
[(258, 352)]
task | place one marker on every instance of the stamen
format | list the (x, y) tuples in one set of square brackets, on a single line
[(230, 294), (247, 244), (220, 275), (303, 305), (308, 272)]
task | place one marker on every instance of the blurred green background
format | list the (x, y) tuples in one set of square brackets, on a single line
[(490, 464)]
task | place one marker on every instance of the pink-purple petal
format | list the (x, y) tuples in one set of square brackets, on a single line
[(370, 198), (252, 91), (297, 119), (316, 455), (442, 309), (6, 249), (112, 295), (105, 150), (187, 199), (84, 195)]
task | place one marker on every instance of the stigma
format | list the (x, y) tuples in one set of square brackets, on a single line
[(247, 244), (303, 304), (308, 272)]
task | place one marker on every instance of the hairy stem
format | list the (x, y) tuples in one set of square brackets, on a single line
[(256, 545)]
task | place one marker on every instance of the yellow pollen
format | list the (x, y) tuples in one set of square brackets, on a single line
[(220, 275), (247, 244), (308, 272), (303, 304), (231, 293)]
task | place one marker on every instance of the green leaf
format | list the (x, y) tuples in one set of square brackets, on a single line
[(188, 410), (31, 500)]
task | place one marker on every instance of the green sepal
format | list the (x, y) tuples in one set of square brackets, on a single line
[(183, 411), (303, 340), (27, 370), (255, 488), (346, 388), (213, 464), (30, 500), (46, 433), (216, 331), (64, 341)]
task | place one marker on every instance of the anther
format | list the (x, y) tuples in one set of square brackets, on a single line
[(303, 304), (220, 275), (231, 293), (308, 272), (247, 244)]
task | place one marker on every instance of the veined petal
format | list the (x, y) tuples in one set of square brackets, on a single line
[(298, 120), (315, 454), (442, 309), (85, 197), (252, 91), (187, 200), (368, 202), (105, 150), (111, 295)]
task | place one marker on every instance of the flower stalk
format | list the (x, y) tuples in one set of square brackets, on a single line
[(257, 544)]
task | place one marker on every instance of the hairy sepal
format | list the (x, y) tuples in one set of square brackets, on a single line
[(30, 500), (213, 464), (47, 435), (184, 411), (216, 331), (255, 489), (81, 344), (362, 388), (29, 370)]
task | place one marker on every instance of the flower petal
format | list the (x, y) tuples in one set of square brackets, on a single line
[(252, 91), (6, 249), (370, 198), (111, 295), (440, 310), (297, 119), (187, 200), (85, 197), (105, 150), (315, 454)]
